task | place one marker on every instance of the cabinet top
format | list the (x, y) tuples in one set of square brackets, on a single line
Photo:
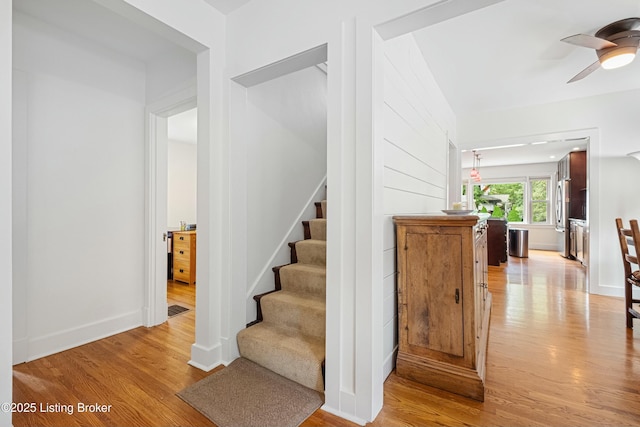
[(184, 232), (439, 219)]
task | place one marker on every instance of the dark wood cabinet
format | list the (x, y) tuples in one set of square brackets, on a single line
[(443, 302), (497, 241)]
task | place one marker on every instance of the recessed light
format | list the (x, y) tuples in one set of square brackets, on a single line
[(576, 148), (552, 157)]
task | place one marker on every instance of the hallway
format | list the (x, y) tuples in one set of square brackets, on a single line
[(557, 356)]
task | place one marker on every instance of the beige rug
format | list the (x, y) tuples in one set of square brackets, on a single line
[(246, 394)]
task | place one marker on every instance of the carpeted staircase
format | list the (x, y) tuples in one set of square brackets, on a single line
[(289, 335)]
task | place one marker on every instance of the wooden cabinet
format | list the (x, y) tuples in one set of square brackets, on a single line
[(184, 256), (497, 241), (443, 302)]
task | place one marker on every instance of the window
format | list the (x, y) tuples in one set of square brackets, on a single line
[(539, 199), (501, 199), (524, 200)]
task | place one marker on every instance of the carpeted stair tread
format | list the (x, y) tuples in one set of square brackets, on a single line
[(285, 351), (305, 278), (295, 311), (312, 251), (318, 228)]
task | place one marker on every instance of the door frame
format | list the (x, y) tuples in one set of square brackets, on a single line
[(156, 115)]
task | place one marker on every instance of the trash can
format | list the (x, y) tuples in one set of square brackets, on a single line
[(519, 242)]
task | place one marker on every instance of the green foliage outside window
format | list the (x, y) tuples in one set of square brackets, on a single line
[(507, 200), (539, 189), (508, 197)]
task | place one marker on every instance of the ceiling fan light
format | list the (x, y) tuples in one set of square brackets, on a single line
[(617, 57)]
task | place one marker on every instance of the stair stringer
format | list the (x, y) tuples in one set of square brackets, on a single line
[(290, 339), (263, 282)]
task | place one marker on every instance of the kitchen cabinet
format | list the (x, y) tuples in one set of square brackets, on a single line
[(579, 240), (184, 256), (443, 302), (497, 241)]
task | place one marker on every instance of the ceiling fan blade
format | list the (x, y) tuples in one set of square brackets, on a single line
[(584, 73), (586, 40)]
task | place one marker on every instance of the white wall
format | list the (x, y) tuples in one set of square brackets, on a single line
[(543, 237), (182, 183), (265, 32), (417, 120), (169, 72), (84, 164), (611, 123), (6, 376), (286, 147)]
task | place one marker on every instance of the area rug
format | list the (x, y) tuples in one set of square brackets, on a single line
[(174, 310), (246, 394)]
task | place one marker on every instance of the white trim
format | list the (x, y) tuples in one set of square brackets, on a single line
[(389, 362), (287, 237), (346, 415), (300, 61), (20, 350), (209, 355), (77, 336), (155, 308)]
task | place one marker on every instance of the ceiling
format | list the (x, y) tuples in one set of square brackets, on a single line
[(509, 55), (503, 56), (226, 6), (98, 24)]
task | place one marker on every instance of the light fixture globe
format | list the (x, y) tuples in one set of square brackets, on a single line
[(619, 56)]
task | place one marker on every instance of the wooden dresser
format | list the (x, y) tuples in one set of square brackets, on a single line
[(443, 302), (184, 256)]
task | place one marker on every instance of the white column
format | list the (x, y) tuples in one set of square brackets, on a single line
[(213, 201), (354, 381), (6, 345)]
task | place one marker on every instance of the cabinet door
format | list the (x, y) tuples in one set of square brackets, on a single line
[(434, 303), (481, 280)]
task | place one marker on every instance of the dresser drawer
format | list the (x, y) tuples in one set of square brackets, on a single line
[(181, 240), (181, 252), (184, 256), (182, 272)]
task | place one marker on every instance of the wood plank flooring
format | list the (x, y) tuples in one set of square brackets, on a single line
[(557, 356)]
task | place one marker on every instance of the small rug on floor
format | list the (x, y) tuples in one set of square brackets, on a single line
[(175, 309), (246, 394)]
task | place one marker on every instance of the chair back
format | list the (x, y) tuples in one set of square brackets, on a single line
[(625, 236)]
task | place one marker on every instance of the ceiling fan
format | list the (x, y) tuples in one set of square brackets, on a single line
[(615, 44)]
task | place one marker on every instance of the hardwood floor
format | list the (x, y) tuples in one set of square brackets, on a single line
[(557, 356)]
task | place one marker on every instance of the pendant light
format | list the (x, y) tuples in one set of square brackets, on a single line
[(475, 171)]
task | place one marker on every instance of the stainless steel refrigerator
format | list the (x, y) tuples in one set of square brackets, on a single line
[(562, 217)]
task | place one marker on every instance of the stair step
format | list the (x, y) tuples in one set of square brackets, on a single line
[(296, 311), (315, 229), (305, 278), (310, 251), (285, 352)]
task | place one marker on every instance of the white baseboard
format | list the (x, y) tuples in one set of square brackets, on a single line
[(346, 416), (205, 358), (64, 340), (20, 350), (389, 363), (610, 291)]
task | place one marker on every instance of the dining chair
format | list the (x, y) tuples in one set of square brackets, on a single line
[(630, 237)]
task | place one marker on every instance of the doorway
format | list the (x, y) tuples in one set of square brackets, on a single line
[(182, 133)]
